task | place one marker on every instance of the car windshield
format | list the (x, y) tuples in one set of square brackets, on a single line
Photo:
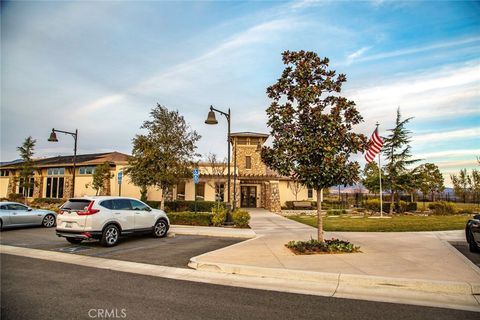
[(76, 204)]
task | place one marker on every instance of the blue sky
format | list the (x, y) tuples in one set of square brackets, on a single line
[(101, 66)]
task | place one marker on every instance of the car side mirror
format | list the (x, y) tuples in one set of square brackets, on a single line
[(29, 209), (148, 209), (476, 217)]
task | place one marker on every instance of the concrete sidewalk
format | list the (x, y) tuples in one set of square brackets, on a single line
[(415, 260)]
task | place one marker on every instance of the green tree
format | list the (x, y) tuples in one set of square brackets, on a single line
[(461, 184), (164, 155), (311, 126), (27, 167), (397, 152), (370, 177), (430, 180), (475, 186), (100, 177)]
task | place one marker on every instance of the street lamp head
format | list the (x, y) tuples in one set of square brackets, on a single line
[(211, 118), (53, 136)]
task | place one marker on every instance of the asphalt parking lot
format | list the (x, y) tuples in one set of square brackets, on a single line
[(170, 251), (463, 248)]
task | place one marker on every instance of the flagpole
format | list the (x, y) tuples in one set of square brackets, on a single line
[(380, 178)]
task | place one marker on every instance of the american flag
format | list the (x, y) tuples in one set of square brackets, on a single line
[(375, 146)]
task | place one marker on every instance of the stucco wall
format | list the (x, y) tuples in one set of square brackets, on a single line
[(286, 193), (3, 187)]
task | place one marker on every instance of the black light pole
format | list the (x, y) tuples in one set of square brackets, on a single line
[(53, 138), (212, 120)]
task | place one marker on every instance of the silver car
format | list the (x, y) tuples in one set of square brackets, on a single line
[(16, 214)]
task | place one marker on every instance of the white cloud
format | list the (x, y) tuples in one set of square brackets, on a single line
[(447, 135), (419, 49), (357, 54), (448, 154)]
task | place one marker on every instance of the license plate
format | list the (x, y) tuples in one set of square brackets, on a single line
[(68, 225)]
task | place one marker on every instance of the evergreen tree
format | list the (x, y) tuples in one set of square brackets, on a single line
[(100, 177), (27, 168), (164, 156), (396, 149)]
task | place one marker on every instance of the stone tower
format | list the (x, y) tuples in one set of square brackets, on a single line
[(246, 149)]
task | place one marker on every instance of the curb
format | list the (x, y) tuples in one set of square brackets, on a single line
[(213, 231), (429, 286)]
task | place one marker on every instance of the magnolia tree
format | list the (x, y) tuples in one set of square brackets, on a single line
[(312, 126)]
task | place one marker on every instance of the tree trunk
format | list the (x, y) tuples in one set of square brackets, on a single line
[(162, 203), (392, 202), (319, 215)]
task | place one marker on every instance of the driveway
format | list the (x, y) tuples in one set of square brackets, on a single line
[(170, 251)]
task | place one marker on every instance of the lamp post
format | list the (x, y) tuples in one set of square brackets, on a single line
[(212, 120), (53, 138)]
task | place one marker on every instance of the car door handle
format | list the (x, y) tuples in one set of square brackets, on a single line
[(117, 212), (14, 213)]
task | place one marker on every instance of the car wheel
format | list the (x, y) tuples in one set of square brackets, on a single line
[(74, 240), (48, 221), (1, 225), (110, 236), (160, 229), (472, 245)]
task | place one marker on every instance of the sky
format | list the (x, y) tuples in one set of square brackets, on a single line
[(101, 66)]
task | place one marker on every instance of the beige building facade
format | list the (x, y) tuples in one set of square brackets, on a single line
[(255, 185)]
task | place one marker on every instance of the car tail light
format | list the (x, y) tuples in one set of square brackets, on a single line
[(89, 210)]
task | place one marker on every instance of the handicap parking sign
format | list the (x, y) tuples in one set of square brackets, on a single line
[(196, 173)]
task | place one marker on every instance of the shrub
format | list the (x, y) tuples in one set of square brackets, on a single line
[(240, 218), (218, 216), (412, 206), (182, 205), (48, 201), (336, 211), (374, 205), (190, 218), (329, 246), (16, 197), (442, 207)]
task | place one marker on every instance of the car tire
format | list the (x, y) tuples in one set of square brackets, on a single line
[(74, 240), (48, 221), (160, 228), (110, 236), (1, 225), (472, 245)]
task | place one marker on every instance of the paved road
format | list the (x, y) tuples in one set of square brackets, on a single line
[(38, 289), (171, 251)]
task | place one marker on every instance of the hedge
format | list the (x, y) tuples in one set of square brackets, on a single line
[(48, 201), (374, 205), (182, 205), (190, 218), (442, 207)]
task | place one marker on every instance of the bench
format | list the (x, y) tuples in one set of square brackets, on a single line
[(302, 205)]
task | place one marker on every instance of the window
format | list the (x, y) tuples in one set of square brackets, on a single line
[(310, 193), (220, 192), (76, 204), (181, 191), (3, 207), (30, 187), (200, 191), (137, 205), (248, 162), (55, 171), (86, 170), (122, 204), (242, 141), (107, 204), (4, 173), (15, 206), (54, 188)]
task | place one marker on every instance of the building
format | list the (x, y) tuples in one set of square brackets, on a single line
[(255, 185)]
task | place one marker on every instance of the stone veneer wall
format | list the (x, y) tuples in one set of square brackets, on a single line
[(258, 167), (12, 185), (68, 187), (38, 188), (275, 205)]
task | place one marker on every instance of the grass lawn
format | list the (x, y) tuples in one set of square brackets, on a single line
[(398, 223)]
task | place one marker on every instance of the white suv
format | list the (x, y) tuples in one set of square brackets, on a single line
[(106, 218)]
